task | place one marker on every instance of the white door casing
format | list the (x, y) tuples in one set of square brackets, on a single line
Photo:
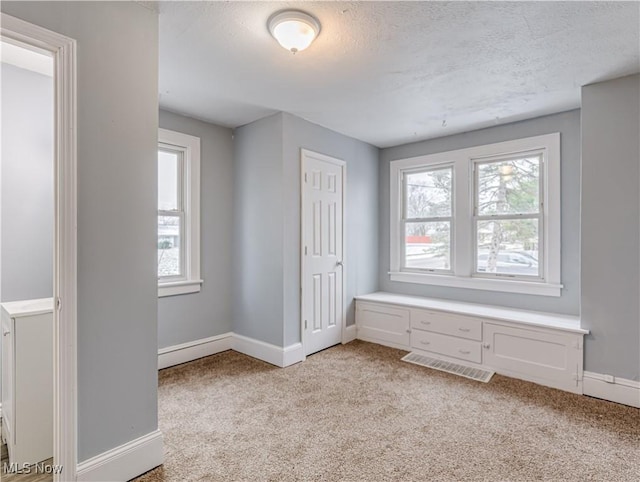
[(322, 251)]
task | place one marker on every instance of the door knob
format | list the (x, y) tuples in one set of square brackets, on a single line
[(6, 333), (338, 263)]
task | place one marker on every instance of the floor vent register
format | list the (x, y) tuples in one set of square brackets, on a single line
[(473, 373)]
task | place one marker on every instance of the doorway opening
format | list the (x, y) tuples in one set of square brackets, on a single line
[(26, 258), (49, 322)]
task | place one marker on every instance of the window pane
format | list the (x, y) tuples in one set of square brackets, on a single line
[(169, 246), (428, 194), (509, 186), (508, 247), (428, 245), (168, 165)]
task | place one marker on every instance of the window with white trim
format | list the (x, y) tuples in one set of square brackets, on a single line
[(486, 217), (427, 219), (178, 213)]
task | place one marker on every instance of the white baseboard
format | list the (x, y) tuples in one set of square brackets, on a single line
[(292, 354), (349, 334), (185, 352), (124, 462), (620, 390), (276, 355)]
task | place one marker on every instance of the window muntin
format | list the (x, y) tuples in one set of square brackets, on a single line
[(508, 217), (427, 219)]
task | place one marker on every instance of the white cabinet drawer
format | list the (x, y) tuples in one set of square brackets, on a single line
[(384, 324), (447, 323), (446, 345)]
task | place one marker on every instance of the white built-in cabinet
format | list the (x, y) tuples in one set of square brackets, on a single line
[(27, 380), (539, 347)]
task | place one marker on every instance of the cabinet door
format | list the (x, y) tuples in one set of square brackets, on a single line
[(550, 358), (383, 324)]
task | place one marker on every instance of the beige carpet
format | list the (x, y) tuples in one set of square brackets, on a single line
[(357, 413)]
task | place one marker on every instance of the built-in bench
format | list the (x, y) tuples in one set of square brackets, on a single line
[(540, 347)]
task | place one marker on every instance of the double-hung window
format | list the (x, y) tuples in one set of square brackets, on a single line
[(178, 213), (508, 217), (486, 217), (427, 219)]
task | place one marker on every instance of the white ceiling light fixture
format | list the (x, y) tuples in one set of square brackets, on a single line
[(293, 29)]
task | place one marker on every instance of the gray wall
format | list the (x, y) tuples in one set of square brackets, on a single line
[(568, 124), (610, 226), (117, 143), (27, 185), (267, 214), (200, 315), (258, 231), (361, 214)]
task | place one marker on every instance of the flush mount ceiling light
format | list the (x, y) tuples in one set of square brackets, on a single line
[(293, 29)]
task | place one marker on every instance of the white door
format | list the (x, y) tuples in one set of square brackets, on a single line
[(322, 250)]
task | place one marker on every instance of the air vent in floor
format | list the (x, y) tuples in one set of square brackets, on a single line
[(445, 366)]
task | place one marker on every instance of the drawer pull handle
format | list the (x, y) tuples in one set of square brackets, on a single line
[(425, 322), (464, 352), (465, 330), (425, 342)]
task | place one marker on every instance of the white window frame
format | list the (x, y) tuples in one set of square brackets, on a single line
[(189, 146), (463, 240)]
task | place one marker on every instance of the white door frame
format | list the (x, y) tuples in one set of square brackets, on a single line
[(63, 51), (339, 162)]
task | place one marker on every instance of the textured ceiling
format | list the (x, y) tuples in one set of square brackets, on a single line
[(393, 72)]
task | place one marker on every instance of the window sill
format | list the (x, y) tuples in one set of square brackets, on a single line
[(504, 286), (179, 288)]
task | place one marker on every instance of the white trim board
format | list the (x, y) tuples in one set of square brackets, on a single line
[(278, 356), (126, 461), (620, 390), (349, 334), (292, 354), (185, 352)]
